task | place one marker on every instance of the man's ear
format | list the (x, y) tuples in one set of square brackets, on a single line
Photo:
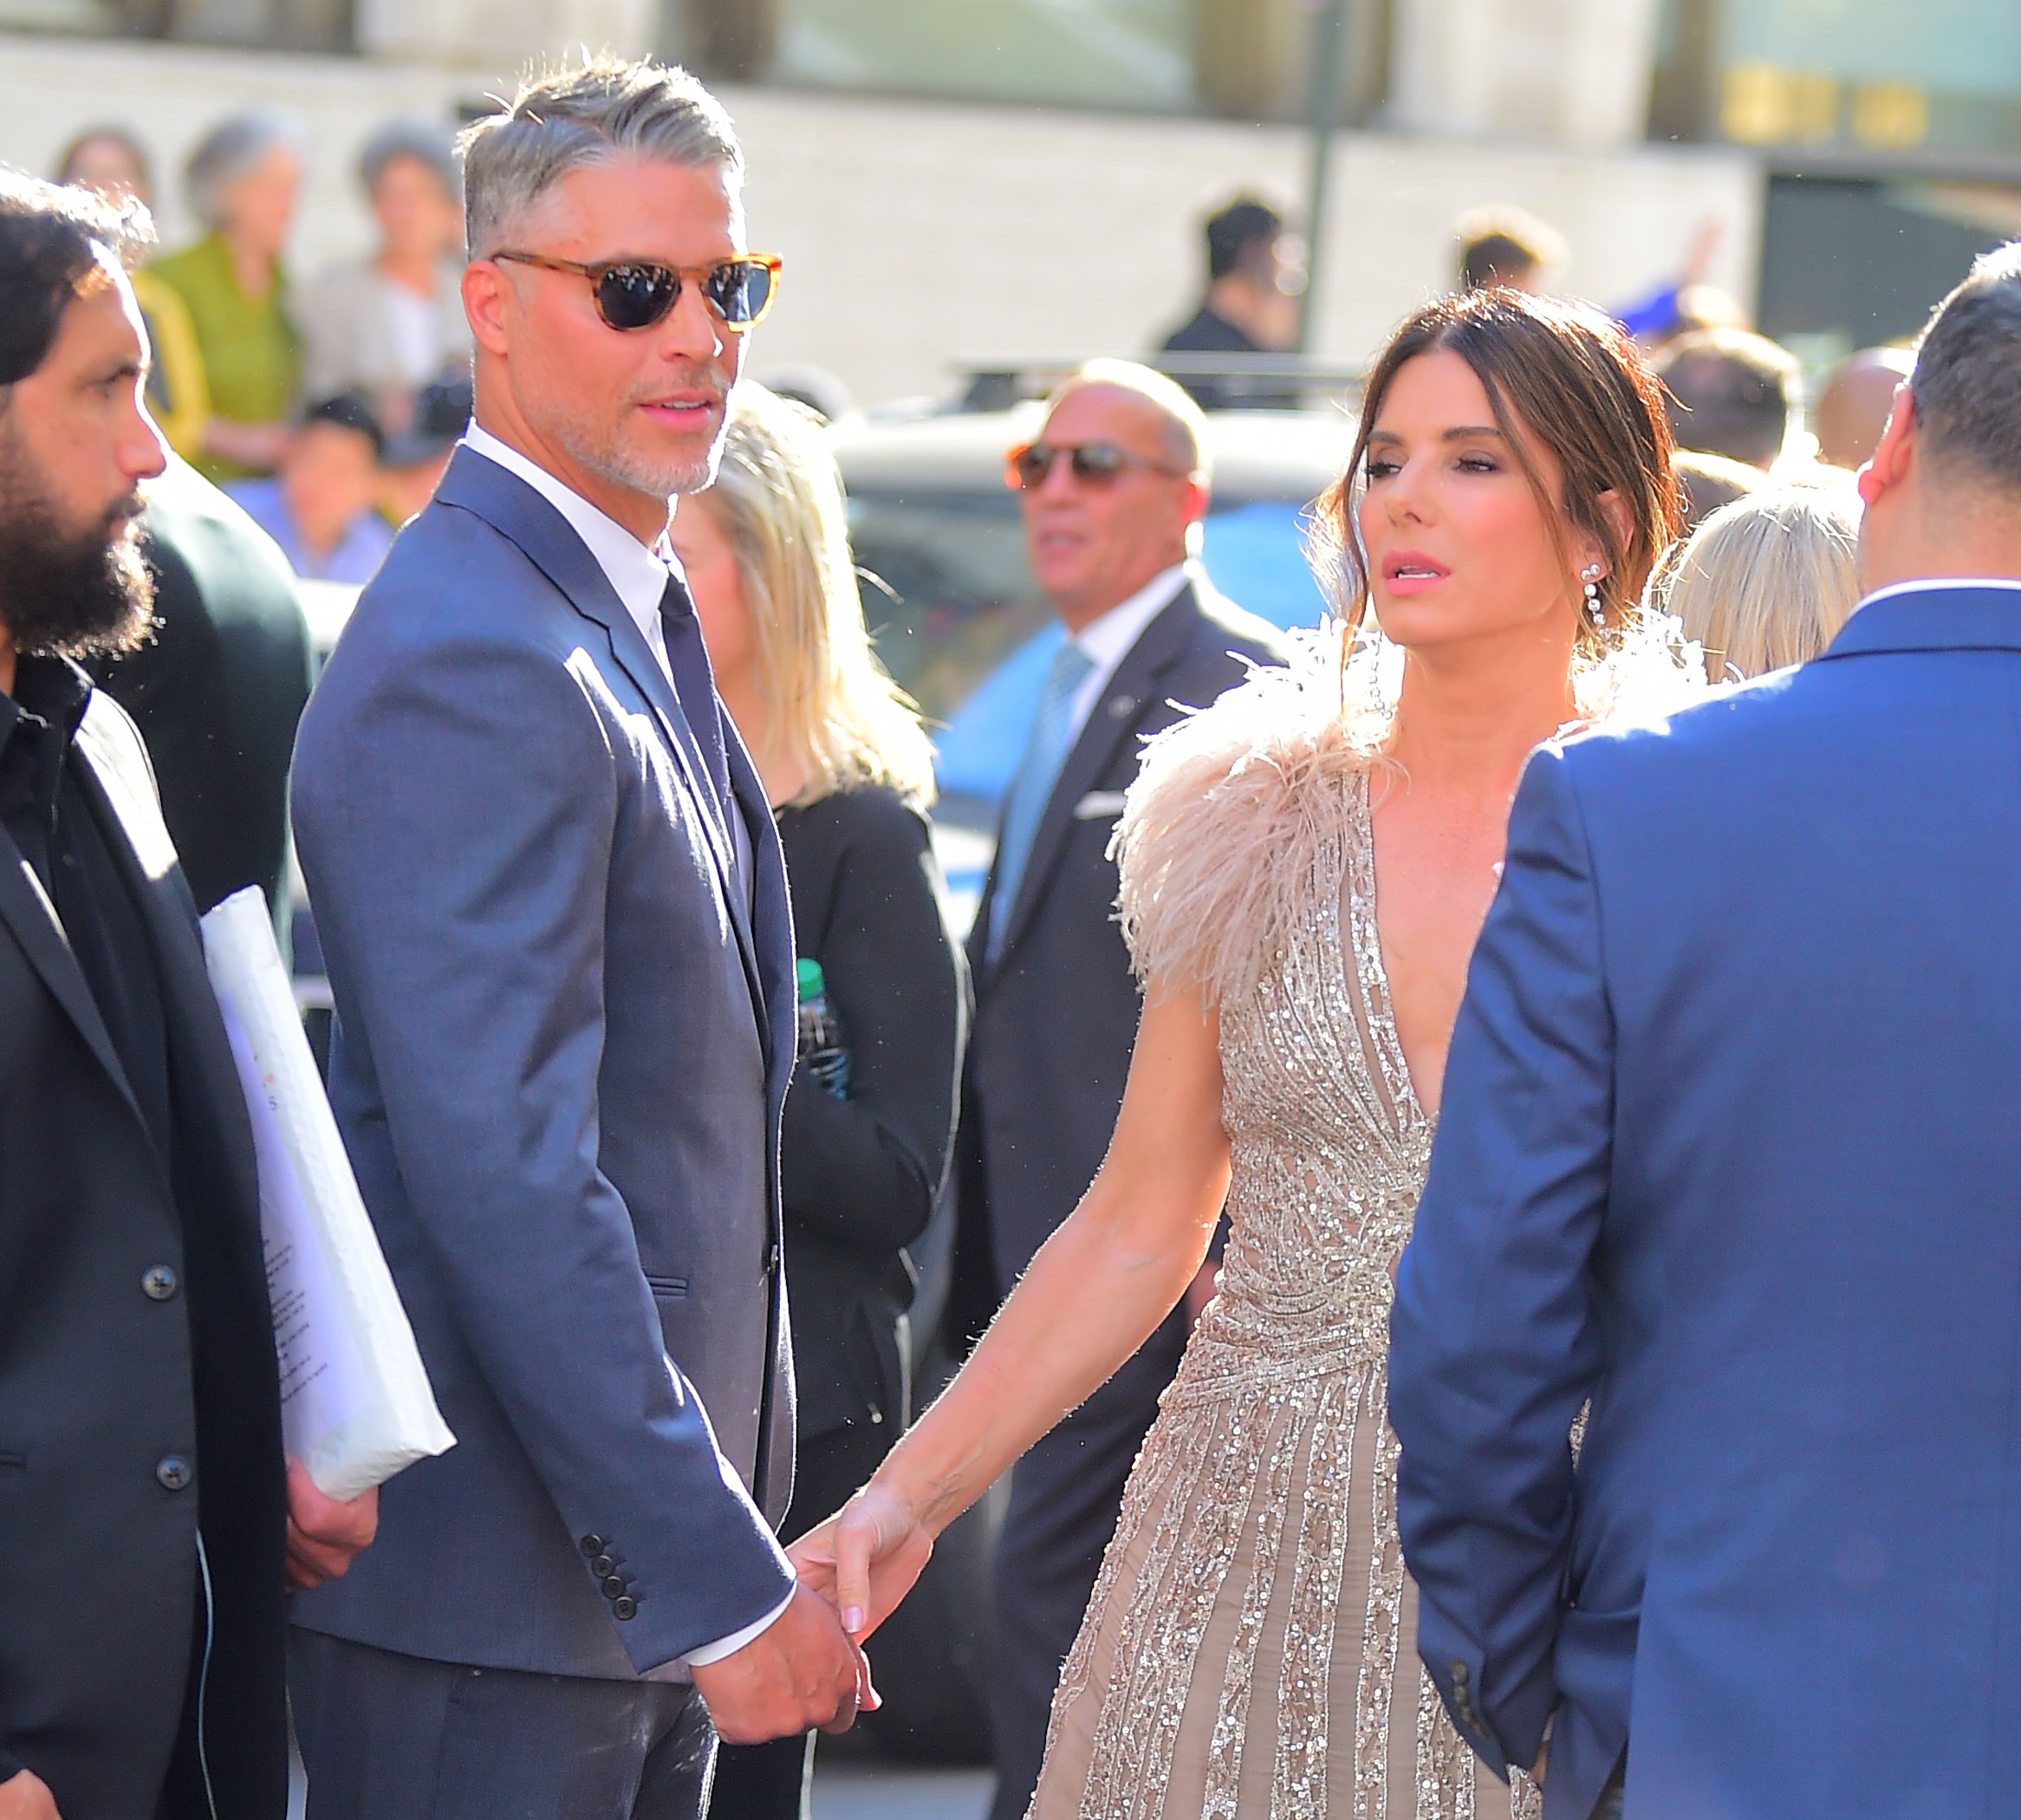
[(1196, 497), (1892, 461), (485, 302)]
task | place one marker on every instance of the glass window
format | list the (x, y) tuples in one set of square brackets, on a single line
[(1876, 75), (67, 16), (279, 24), (1101, 53)]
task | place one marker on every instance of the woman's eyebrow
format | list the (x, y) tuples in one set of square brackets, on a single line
[(1459, 432)]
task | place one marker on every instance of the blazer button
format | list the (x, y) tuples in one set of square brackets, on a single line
[(158, 1284), (592, 1546), (613, 1588), (174, 1472), (602, 1565), (624, 1609)]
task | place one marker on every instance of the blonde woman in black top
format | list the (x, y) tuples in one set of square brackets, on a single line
[(848, 769)]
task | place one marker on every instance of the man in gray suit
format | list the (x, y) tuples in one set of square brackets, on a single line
[(555, 913), (1113, 491)]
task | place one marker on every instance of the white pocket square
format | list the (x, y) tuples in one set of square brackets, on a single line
[(1098, 804)]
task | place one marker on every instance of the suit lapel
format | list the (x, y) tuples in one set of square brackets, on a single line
[(765, 963), (27, 911), (518, 513), (146, 857), (1110, 729)]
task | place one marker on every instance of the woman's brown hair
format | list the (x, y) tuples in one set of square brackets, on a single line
[(1575, 380)]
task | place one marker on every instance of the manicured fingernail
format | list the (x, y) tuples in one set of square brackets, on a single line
[(853, 1620)]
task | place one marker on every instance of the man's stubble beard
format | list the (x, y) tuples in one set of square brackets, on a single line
[(607, 457), (66, 592)]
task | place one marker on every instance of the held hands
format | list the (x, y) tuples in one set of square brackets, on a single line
[(324, 1537), (864, 1559), (799, 1674)]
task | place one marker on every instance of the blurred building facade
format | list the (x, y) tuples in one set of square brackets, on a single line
[(1024, 178)]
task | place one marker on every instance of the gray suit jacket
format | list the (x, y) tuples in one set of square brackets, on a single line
[(562, 1041)]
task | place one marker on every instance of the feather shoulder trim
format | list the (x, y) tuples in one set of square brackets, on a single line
[(1221, 830), (1232, 805)]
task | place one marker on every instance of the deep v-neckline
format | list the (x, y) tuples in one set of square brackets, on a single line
[(1359, 953)]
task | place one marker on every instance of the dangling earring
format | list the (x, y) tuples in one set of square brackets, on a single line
[(1594, 611)]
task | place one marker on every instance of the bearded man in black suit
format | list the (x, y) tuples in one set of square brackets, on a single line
[(147, 1515), (1113, 490)]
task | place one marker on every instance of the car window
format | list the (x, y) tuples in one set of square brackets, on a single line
[(962, 626)]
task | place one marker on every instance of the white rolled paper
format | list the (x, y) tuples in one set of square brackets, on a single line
[(355, 1403)]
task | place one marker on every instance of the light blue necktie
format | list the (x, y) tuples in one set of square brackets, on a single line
[(1052, 738)]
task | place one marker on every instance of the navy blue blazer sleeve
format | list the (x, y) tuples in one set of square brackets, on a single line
[(1493, 1345), (456, 826)]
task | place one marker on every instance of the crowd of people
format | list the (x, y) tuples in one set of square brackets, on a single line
[(1478, 1133), (328, 412)]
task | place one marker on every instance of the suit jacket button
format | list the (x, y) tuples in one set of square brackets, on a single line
[(625, 1608), (174, 1470), (602, 1566), (613, 1588), (158, 1284), (592, 1546)]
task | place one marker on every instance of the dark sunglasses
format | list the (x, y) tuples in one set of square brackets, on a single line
[(1097, 464), (636, 293)]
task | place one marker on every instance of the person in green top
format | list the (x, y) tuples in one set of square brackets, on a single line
[(242, 181)]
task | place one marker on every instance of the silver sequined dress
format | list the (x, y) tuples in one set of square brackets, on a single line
[(1250, 1651)]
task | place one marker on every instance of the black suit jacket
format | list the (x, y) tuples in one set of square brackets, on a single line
[(858, 1177), (1055, 1014), (100, 1382), (219, 688)]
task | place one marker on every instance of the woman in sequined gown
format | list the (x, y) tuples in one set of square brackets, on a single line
[(1305, 866)]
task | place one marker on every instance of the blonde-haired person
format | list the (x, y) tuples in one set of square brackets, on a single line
[(849, 773), (1767, 581)]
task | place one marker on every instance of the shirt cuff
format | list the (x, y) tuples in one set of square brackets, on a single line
[(730, 1645)]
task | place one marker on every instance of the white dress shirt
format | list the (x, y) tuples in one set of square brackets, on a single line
[(1110, 638), (638, 576)]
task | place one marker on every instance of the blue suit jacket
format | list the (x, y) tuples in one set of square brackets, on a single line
[(1731, 1144), (562, 1043)]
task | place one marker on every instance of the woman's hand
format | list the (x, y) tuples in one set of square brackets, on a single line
[(866, 1558)]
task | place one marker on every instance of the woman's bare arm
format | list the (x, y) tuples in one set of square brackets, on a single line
[(1094, 1293)]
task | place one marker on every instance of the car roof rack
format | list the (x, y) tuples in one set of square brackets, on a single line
[(1234, 382)]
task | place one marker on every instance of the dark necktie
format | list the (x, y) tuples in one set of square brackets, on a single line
[(694, 683)]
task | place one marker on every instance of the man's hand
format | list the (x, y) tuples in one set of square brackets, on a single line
[(864, 1559), (25, 1796), (324, 1537), (799, 1674)]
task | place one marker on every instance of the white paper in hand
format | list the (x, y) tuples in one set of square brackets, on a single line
[(355, 1405)]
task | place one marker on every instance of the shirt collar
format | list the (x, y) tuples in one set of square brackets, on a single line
[(1107, 640), (1941, 584), (638, 576), (50, 690)]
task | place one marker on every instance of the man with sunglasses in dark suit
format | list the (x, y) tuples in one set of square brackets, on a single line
[(1113, 491), (552, 901)]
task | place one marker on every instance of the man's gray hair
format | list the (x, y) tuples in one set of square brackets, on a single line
[(592, 114), (1966, 384), (233, 149)]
